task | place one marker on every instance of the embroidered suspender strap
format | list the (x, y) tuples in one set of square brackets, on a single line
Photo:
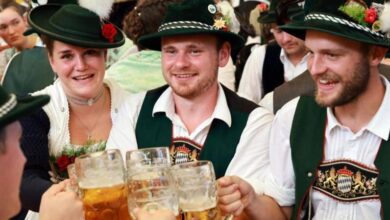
[(273, 70), (153, 131), (221, 142), (347, 181), (307, 135)]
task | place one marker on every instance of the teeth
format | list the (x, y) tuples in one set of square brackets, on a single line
[(82, 77), (323, 81), (184, 75)]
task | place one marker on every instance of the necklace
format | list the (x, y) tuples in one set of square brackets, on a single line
[(88, 102), (91, 129)]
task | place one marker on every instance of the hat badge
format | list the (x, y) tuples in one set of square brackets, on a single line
[(212, 9)]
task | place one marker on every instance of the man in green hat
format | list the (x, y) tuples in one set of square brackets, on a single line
[(335, 146), (194, 114), (272, 64)]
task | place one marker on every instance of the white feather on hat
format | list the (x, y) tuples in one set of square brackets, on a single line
[(385, 18), (102, 7)]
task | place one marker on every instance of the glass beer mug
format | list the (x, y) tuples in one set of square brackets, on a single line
[(196, 185), (102, 185), (150, 183)]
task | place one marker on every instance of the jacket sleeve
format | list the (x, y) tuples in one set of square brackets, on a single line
[(34, 143)]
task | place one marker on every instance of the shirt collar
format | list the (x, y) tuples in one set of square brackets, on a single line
[(379, 124), (284, 59), (165, 104)]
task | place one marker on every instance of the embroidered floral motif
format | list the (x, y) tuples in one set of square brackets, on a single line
[(360, 13), (68, 155), (221, 22)]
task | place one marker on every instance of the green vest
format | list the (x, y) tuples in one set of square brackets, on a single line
[(307, 140), (221, 142)]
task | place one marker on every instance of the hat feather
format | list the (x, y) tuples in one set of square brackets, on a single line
[(385, 18), (102, 7)]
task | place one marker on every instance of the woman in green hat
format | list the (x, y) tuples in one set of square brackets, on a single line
[(86, 113)]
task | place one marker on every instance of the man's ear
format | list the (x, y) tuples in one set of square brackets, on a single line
[(377, 54), (224, 54)]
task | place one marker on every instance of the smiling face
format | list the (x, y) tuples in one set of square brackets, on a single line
[(339, 67), (291, 45), (80, 70), (12, 27), (190, 63)]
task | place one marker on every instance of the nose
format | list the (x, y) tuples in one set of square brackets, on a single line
[(80, 64), (181, 60), (11, 29), (286, 37), (315, 65)]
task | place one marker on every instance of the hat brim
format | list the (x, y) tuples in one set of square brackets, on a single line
[(271, 16), (39, 20), (153, 41), (299, 28), (267, 17), (24, 107)]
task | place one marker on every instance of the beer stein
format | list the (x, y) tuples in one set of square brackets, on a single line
[(73, 185), (150, 183), (101, 180), (197, 189)]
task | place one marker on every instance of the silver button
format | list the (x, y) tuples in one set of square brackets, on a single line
[(116, 110), (309, 174)]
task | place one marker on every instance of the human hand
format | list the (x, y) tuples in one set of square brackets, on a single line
[(60, 204), (4, 47), (234, 195), (155, 215)]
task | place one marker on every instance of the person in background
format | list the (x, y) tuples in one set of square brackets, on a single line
[(12, 161), (270, 65), (334, 145), (141, 71), (12, 26), (87, 113)]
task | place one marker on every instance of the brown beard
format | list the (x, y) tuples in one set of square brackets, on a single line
[(355, 85)]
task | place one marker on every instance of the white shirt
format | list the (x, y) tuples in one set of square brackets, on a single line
[(226, 75), (251, 155), (341, 143), (251, 84)]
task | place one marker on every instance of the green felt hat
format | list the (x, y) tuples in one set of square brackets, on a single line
[(76, 25), (271, 16), (360, 20), (191, 17), (13, 108)]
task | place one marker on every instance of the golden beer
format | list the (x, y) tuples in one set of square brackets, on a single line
[(205, 214), (106, 203), (152, 191)]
